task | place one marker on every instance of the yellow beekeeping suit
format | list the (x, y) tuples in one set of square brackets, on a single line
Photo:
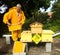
[(5, 18), (15, 19)]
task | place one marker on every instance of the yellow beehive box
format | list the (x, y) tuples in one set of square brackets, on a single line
[(47, 36), (18, 47), (26, 36), (36, 27), (14, 27)]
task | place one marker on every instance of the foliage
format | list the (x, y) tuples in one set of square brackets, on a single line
[(28, 6), (57, 36), (54, 22)]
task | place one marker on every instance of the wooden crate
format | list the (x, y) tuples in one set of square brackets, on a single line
[(36, 27), (26, 36), (19, 47), (47, 36)]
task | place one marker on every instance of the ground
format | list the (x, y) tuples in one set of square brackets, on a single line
[(33, 49)]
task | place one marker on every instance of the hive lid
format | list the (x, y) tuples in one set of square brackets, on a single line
[(36, 24), (47, 31)]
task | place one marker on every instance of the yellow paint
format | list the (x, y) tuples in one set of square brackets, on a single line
[(36, 27), (26, 36), (47, 36), (18, 47)]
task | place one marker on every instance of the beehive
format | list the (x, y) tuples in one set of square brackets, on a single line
[(18, 47), (36, 27), (47, 36), (26, 36)]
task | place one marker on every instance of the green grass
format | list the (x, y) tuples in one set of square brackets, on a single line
[(57, 36)]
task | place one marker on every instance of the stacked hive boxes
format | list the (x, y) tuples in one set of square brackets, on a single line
[(36, 28)]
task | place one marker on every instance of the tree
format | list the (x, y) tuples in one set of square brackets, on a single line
[(55, 20), (56, 10), (28, 6)]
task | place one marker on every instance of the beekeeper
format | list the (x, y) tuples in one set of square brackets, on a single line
[(15, 18)]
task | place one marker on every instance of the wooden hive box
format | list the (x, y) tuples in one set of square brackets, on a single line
[(26, 36), (36, 27), (47, 36)]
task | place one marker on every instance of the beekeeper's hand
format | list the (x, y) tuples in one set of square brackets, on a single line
[(9, 24)]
